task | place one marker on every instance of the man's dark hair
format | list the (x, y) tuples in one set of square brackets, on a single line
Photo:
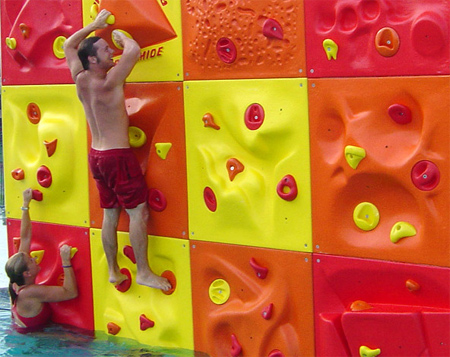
[(87, 49)]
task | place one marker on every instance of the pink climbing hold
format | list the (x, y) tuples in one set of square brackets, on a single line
[(425, 175), (44, 176), (254, 116), (226, 50), (129, 253), (267, 312), (156, 200), (236, 347), (399, 113), (210, 199), (124, 285), (145, 322), (37, 195), (272, 29), (287, 188), (261, 272)]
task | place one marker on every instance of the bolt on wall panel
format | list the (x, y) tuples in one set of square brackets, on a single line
[(379, 162), (248, 162)]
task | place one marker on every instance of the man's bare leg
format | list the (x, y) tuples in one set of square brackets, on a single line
[(139, 242), (109, 240)]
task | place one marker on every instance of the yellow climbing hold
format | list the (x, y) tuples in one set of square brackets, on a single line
[(115, 43), (11, 43), (58, 49), (365, 351), (354, 155), (366, 216), (136, 137), (331, 48), (402, 230), (162, 149), (93, 11), (38, 255), (73, 251), (219, 291), (111, 20)]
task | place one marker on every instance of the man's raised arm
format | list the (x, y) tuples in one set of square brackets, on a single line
[(72, 43)]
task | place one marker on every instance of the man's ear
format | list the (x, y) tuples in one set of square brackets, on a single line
[(92, 59), (26, 273)]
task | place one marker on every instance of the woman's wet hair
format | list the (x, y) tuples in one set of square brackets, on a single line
[(15, 267), (87, 49)]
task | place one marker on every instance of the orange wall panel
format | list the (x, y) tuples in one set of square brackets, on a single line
[(243, 39), (404, 173), (255, 299), (157, 110)]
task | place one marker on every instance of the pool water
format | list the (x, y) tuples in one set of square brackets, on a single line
[(57, 340)]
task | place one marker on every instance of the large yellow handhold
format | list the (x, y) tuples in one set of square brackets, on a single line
[(354, 155), (219, 291), (331, 49), (365, 351), (136, 137), (366, 216), (38, 255), (402, 230), (73, 251), (162, 149)]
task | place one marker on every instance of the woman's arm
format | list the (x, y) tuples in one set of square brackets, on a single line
[(25, 224)]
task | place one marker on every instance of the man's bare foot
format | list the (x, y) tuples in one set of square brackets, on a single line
[(117, 278), (154, 281)]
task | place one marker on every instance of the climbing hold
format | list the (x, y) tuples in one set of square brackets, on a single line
[(33, 113), (25, 30), (226, 50), (93, 11), (37, 195), (37, 255), (360, 305), (172, 280), (210, 199), (50, 146), (129, 253), (44, 176), (366, 216), (219, 291), (261, 272), (136, 137), (254, 116), (73, 251), (365, 351), (162, 149), (272, 29), (276, 353), (412, 286), (208, 121), (58, 47), (331, 48), (16, 244), (18, 174), (114, 41), (236, 347), (113, 329), (287, 188), (387, 42), (111, 20), (425, 175), (124, 285), (267, 312), (145, 322), (234, 167), (354, 155), (11, 43), (402, 230), (156, 200), (399, 113)]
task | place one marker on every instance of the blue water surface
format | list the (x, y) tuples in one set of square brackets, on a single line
[(57, 340)]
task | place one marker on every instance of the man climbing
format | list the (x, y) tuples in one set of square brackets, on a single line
[(117, 172)]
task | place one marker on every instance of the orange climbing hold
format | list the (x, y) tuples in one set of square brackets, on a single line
[(50, 146), (33, 113), (411, 285), (172, 280), (360, 305), (18, 174), (208, 120), (113, 329), (234, 167)]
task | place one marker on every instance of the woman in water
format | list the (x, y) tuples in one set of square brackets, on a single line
[(30, 308)]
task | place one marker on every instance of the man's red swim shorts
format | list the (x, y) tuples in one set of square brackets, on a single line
[(119, 178)]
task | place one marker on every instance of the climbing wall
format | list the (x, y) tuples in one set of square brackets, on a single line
[(297, 156)]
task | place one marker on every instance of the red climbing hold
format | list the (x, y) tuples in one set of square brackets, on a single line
[(145, 322), (287, 188), (124, 285), (254, 116), (399, 113), (226, 50), (156, 200), (129, 253), (272, 29), (210, 199)]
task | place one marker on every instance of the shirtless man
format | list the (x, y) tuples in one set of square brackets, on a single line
[(116, 170)]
